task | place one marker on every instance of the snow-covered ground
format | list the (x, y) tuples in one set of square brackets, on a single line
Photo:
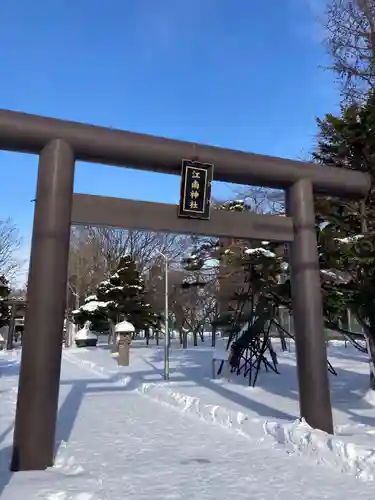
[(123, 433)]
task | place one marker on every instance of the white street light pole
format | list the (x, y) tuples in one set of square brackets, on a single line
[(166, 313), (71, 329)]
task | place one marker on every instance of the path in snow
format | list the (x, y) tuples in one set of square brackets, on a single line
[(192, 391), (274, 398), (121, 445)]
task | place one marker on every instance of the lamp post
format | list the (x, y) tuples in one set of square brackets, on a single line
[(166, 334), (70, 329)]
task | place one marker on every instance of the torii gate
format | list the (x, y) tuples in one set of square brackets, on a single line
[(59, 144)]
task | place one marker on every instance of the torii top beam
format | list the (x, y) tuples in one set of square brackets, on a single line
[(30, 133)]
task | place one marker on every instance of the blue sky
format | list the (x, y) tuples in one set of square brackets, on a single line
[(239, 74)]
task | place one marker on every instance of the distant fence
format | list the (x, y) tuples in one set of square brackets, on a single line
[(286, 321)]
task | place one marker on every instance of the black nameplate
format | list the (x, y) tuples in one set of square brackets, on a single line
[(196, 183)]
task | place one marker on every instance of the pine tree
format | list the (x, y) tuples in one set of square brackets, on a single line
[(4, 294), (94, 311), (124, 293), (258, 266), (346, 230), (248, 274)]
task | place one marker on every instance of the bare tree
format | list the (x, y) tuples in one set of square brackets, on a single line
[(261, 200), (10, 243), (96, 251), (350, 41), (18, 293), (86, 266), (194, 308), (142, 246)]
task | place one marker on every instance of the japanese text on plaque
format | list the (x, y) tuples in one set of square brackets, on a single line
[(195, 190)]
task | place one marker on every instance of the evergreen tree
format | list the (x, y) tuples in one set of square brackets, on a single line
[(124, 293), (248, 273), (346, 229), (94, 311), (257, 267), (4, 294)]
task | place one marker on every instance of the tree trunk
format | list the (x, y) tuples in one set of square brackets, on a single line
[(213, 335), (281, 332), (284, 346), (184, 340), (195, 338), (201, 333), (10, 336)]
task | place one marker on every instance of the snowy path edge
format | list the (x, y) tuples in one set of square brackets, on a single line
[(295, 437)]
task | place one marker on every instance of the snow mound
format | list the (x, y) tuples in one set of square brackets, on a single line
[(63, 495), (100, 371), (85, 333), (66, 464), (213, 414), (299, 437), (296, 437), (124, 327), (3, 333), (13, 354), (369, 397)]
